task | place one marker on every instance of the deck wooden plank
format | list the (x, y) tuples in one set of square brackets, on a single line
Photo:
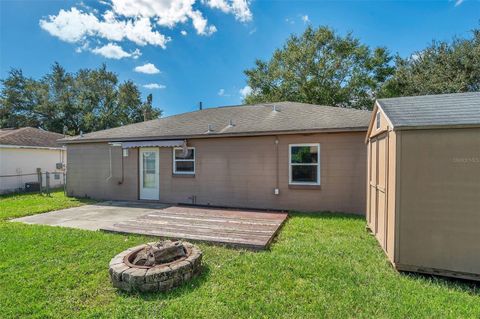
[(197, 230), (200, 225), (207, 221), (253, 218), (183, 235), (249, 229)]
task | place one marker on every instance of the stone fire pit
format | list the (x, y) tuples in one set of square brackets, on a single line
[(155, 267)]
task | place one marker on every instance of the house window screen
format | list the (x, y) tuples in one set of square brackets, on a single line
[(184, 160), (304, 166)]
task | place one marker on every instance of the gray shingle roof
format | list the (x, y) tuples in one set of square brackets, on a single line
[(459, 109), (29, 136), (247, 120)]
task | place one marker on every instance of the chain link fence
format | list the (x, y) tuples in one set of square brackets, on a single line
[(42, 182)]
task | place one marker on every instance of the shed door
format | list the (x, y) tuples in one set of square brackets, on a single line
[(378, 181)]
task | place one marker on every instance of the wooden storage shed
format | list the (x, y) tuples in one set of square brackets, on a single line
[(423, 188)]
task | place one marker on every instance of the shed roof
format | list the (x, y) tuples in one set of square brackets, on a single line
[(29, 136), (258, 119), (458, 109)]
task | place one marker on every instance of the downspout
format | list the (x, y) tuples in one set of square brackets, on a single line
[(277, 164), (121, 181), (110, 163)]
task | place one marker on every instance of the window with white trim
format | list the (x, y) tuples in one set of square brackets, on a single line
[(377, 118), (304, 164), (184, 160)]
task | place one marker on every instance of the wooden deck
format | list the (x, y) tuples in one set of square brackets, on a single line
[(239, 228)]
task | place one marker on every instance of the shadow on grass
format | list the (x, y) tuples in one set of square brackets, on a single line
[(464, 285), (184, 289), (326, 215)]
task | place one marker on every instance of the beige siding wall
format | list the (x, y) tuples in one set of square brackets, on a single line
[(440, 199), (89, 173), (236, 172)]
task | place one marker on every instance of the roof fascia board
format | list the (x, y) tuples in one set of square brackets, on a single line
[(31, 147), (213, 135)]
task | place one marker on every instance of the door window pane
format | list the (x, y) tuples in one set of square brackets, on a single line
[(149, 169)]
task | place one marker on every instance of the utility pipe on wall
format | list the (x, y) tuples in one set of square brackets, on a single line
[(277, 182)]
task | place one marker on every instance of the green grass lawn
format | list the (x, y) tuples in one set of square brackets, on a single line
[(18, 205), (322, 265)]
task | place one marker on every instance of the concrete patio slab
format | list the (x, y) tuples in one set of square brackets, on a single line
[(93, 217)]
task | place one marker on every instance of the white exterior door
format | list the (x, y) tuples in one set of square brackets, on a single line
[(149, 173)]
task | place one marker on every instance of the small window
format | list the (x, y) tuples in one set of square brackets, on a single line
[(56, 176), (184, 161), (125, 152), (304, 166), (377, 120)]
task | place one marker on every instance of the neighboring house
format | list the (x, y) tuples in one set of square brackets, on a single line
[(424, 182), (24, 150), (271, 156)]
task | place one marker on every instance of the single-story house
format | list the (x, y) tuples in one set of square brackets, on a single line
[(285, 155), (423, 202), (25, 149)]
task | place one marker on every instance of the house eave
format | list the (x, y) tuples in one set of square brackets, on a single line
[(212, 135), (31, 147)]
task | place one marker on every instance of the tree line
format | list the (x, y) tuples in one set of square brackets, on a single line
[(322, 67), (86, 101), (318, 67)]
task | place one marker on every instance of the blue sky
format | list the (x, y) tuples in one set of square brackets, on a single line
[(201, 48)]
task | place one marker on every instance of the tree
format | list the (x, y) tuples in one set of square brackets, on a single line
[(19, 97), (321, 67), (130, 102), (442, 67), (149, 111), (86, 101)]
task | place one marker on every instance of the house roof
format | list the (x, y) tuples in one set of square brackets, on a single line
[(258, 119), (29, 136), (459, 109)]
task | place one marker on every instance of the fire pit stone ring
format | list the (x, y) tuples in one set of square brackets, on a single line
[(158, 278)]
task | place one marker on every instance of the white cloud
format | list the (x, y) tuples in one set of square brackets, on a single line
[(166, 13), (148, 68), (289, 21), (458, 2), (201, 24), (305, 19), (154, 86), (239, 8), (246, 90), (113, 51), (137, 21), (221, 92), (75, 25)]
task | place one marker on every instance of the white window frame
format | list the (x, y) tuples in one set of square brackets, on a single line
[(290, 164), (174, 161), (378, 123)]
